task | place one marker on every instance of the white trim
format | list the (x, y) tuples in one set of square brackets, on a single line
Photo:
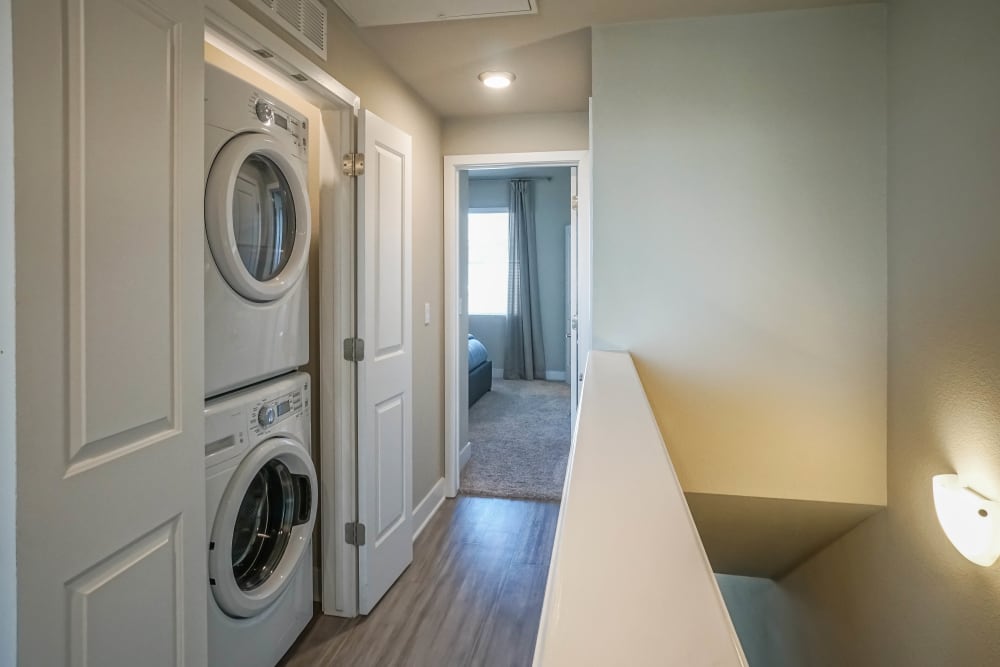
[(236, 33), (337, 434), (453, 164), (427, 508), (464, 455)]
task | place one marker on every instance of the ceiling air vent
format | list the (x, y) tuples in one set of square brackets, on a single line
[(395, 12), (306, 19)]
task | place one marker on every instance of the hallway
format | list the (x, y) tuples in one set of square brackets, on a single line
[(472, 596)]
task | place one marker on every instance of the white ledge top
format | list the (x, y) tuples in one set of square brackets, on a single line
[(629, 582)]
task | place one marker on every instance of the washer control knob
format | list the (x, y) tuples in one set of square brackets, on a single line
[(265, 416), (264, 112)]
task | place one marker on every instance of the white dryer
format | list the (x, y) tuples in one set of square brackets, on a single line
[(257, 234), (261, 494)]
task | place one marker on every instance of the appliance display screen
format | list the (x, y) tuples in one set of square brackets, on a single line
[(283, 408), (281, 121)]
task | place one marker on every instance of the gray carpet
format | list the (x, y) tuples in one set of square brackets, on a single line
[(520, 434)]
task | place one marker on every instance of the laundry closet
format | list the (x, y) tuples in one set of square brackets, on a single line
[(195, 285), (309, 266), (261, 219)]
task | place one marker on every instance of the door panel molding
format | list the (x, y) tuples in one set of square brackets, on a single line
[(100, 430), (385, 379), (109, 118), (163, 542)]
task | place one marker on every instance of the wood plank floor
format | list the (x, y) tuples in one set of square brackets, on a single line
[(472, 596)]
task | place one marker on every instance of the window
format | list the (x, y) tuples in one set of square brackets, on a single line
[(488, 261)]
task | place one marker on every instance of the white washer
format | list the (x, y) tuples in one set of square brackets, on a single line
[(261, 494), (257, 233)]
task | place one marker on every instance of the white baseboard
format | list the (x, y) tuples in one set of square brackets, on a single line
[(423, 512), (464, 455)]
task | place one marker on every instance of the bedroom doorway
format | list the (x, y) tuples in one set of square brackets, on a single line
[(517, 232)]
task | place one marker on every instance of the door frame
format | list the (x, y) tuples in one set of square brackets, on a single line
[(453, 165), (239, 35)]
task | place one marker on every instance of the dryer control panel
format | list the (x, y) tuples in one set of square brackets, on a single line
[(272, 411), (282, 120)]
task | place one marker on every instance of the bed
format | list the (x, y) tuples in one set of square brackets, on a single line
[(480, 370)]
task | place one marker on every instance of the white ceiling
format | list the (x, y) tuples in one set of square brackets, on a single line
[(548, 51)]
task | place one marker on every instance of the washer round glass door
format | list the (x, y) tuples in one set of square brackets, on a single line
[(257, 217), (263, 527)]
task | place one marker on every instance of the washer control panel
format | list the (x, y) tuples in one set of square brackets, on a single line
[(279, 119), (272, 411)]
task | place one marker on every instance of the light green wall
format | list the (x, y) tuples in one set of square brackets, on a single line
[(739, 243), (894, 592)]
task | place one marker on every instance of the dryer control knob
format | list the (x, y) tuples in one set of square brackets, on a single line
[(265, 416), (264, 112)]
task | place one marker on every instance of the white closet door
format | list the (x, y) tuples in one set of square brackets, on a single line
[(385, 376), (110, 469)]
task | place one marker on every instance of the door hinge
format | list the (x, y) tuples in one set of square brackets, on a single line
[(354, 164), (574, 203), (354, 349), (354, 533)]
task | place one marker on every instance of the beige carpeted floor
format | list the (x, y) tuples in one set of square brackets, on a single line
[(520, 434)]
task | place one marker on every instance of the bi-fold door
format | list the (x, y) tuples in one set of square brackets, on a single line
[(110, 468), (385, 374)]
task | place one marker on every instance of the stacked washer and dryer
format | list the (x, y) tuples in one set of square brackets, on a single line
[(261, 484)]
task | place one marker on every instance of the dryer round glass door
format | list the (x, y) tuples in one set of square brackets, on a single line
[(263, 217), (257, 217), (262, 527)]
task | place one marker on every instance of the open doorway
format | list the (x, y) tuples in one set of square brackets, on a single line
[(516, 226), (517, 309)]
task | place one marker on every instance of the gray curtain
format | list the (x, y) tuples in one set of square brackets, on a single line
[(524, 358)]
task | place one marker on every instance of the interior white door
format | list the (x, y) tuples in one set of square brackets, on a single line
[(574, 295), (385, 375), (110, 464)]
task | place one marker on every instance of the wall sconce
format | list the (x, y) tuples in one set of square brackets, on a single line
[(970, 520)]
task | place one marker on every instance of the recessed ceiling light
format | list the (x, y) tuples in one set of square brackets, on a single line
[(497, 79)]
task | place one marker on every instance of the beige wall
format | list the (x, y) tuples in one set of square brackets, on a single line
[(515, 133), (8, 592), (739, 243), (894, 592), (356, 66)]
